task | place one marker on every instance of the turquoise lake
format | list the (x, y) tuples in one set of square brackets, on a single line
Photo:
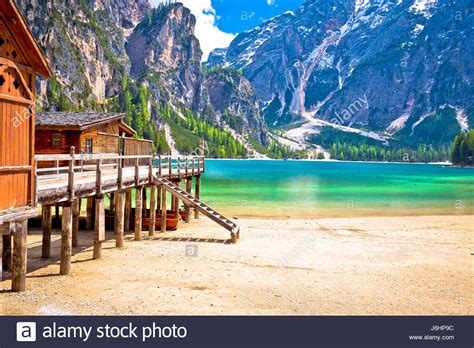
[(298, 189)]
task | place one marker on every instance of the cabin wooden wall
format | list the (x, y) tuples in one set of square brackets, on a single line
[(105, 138), (134, 146), (44, 145), (44, 142), (15, 151), (16, 130)]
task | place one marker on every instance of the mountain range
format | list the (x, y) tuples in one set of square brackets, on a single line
[(388, 72)]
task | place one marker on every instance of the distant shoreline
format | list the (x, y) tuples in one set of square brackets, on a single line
[(446, 164)]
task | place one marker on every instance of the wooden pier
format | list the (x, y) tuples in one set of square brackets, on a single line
[(58, 159), (92, 177)]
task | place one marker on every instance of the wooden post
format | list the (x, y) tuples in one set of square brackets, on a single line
[(120, 173), (66, 241), (19, 262), (90, 213), (119, 219), (47, 224), (170, 165), (160, 168), (197, 194), (128, 208), (187, 207), (76, 213), (98, 176), (99, 227), (137, 172), (145, 201), (7, 252), (150, 171), (35, 193), (151, 229), (158, 200), (138, 212), (112, 202), (163, 210), (71, 175), (176, 202)]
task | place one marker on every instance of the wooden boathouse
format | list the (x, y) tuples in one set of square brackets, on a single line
[(79, 156), (20, 61), (87, 133)]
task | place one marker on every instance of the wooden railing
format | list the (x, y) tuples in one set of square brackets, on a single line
[(93, 167)]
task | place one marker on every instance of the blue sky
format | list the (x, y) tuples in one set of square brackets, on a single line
[(218, 21), (237, 16)]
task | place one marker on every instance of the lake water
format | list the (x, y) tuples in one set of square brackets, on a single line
[(295, 189)]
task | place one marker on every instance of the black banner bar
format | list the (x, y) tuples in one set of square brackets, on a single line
[(128, 332)]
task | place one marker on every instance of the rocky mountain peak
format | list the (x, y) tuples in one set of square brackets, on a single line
[(409, 59)]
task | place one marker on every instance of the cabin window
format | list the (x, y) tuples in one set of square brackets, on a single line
[(56, 140), (89, 145)]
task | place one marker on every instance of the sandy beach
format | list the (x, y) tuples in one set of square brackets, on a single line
[(357, 266)]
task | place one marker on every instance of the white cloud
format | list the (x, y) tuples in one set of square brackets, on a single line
[(209, 35), (271, 2)]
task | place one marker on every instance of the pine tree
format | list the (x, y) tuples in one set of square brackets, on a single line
[(456, 149)]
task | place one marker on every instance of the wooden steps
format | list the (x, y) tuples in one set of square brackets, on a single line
[(189, 199)]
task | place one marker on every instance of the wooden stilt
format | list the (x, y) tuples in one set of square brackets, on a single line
[(90, 213), (76, 213), (144, 204), (66, 241), (112, 202), (173, 203), (138, 213), (99, 227), (163, 210), (7, 252), (128, 208), (187, 207), (197, 194), (19, 263), (158, 200), (176, 203), (151, 229), (47, 224), (119, 219)]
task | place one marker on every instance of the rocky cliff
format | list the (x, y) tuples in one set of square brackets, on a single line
[(165, 54), (84, 41)]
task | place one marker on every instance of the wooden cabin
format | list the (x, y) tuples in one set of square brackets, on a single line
[(88, 133), (20, 61)]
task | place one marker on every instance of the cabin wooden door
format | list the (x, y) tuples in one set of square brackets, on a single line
[(16, 138)]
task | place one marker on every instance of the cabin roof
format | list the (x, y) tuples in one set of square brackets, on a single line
[(75, 120), (17, 23)]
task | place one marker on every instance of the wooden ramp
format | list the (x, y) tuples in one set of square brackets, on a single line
[(201, 207)]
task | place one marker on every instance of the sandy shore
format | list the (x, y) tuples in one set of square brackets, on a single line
[(357, 266)]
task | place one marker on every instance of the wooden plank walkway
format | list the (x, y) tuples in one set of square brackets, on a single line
[(90, 175)]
